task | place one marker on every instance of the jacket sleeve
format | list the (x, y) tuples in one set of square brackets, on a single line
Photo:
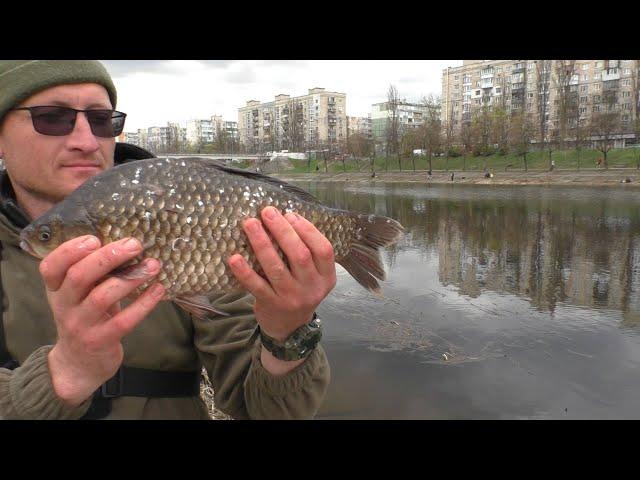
[(27, 393), (229, 347)]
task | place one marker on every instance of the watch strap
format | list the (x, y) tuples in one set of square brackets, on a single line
[(296, 346)]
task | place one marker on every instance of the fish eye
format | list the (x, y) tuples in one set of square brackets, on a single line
[(44, 234)]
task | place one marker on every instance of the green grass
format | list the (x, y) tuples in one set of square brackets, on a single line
[(567, 159)]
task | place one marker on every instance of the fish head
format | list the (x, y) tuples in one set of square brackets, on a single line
[(51, 230)]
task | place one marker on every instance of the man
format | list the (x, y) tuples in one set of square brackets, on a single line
[(82, 351)]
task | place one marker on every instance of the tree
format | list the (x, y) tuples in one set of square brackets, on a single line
[(635, 95), (605, 124), (543, 76), (521, 134), (466, 139), (565, 76), (431, 128), (393, 124), (500, 129), (448, 134)]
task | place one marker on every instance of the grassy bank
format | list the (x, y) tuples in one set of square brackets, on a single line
[(567, 159)]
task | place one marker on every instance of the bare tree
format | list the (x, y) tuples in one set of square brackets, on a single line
[(605, 124), (431, 128), (543, 77), (500, 129), (448, 134), (466, 140), (635, 94), (393, 124), (521, 134), (564, 76)]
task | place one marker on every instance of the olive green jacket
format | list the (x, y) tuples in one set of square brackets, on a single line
[(168, 339)]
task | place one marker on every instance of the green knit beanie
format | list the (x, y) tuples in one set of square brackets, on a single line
[(19, 79)]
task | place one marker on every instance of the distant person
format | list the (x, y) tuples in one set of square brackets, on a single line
[(429, 176), (452, 176), (553, 164), (317, 168)]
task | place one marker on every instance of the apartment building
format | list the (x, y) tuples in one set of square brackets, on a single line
[(546, 88), (157, 139), (200, 131), (317, 119), (410, 115), (359, 125)]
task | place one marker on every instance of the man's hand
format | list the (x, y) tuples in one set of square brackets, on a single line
[(86, 309), (288, 297)]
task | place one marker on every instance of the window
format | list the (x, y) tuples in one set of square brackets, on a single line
[(583, 110), (498, 69), (585, 66), (584, 88), (456, 86), (626, 94), (626, 82), (596, 86), (627, 71), (598, 64), (596, 99), (455, 77), (626, 106), (477, 92), (585, 77), (596, 108), (583, 99), (530, 95), (498, 90), (478, 83)]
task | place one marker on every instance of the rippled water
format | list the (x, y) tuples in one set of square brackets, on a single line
[(501, 302)]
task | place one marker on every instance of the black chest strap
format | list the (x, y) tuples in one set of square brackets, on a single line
[(140, 382)]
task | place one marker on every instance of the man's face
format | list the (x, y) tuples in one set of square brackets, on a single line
[(50, 167)]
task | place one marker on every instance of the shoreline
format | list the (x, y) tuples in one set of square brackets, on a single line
[(611, 177)]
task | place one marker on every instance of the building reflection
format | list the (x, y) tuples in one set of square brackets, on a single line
[(582, 253)]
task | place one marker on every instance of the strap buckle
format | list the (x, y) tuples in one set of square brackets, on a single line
[(114, 386)]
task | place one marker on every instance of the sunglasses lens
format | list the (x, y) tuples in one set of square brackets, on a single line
[(60, 121), (106, 123), (55, 121)]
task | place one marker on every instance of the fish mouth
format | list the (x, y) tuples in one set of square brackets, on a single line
[(27, 248)]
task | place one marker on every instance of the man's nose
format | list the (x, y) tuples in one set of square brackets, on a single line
[(82, 137)]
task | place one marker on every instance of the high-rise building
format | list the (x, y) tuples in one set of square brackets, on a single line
[(409, 115), (315, 120), (565, 93)]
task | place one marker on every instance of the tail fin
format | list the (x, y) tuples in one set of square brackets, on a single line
[(363, 261)]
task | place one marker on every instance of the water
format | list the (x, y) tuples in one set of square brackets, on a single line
[(501, 302)]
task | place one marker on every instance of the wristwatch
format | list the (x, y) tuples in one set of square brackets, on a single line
[(296, 346)]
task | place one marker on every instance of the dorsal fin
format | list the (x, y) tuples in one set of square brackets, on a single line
[(287, 187)]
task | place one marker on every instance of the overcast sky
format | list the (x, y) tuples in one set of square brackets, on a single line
[(153, 92)]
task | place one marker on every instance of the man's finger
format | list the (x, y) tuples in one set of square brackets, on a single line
[(127, 319), (54, 266), (299, 256), (274, 268), (114, 289), (249, 279), (320, 247), (82, 276)]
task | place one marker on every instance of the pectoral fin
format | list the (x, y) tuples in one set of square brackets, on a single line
[(198, 305)]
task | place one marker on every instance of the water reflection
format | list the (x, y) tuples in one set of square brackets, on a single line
[(579, 247), (501, 302)]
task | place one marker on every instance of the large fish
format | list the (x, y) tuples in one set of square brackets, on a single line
[(188, 213)]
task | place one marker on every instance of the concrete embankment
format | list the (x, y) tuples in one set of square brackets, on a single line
[(628, 177)]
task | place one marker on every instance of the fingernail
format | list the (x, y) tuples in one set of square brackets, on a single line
[(270, 213), (151, 266), (292, 217), (90, 243), (132, 245)]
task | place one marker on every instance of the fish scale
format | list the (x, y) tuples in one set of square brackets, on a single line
[(188, 214)]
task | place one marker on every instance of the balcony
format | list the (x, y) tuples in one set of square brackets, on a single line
[(486, 74), (516, 71), (610, 74)]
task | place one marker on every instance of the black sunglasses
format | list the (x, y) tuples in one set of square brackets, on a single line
[(59, 121)]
